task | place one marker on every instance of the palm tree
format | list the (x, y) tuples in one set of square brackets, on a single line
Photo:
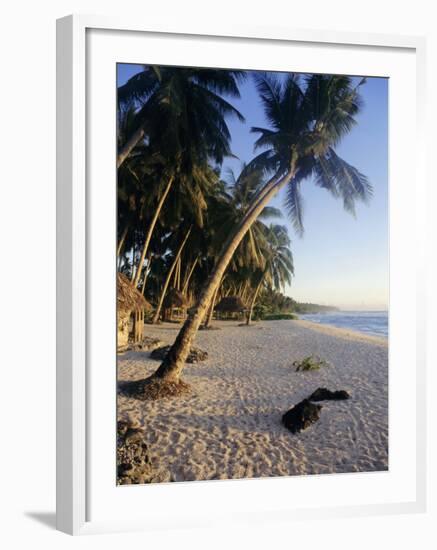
[(278, 267), (183, 116), (241, 191), (230, 207), (169, 275), (308, 118), (174, 102), (137, 183)]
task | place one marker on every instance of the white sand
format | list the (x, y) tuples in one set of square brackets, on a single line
[(230, 427)]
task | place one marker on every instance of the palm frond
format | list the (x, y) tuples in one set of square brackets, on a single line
[(139, 87), (269, 88), (294, 206), (269, 212), (342, 180)]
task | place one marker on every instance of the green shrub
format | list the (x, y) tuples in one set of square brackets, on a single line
[(279, 316), (259, 312), (309, 363)]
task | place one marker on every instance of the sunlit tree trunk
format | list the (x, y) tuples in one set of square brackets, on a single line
[(254, 297), (173, 364), (178, 274), (135, 278), (187, 280), (244, 291), (122, 239), (168, 278), (135, 138), (146, 273), (211, 308)]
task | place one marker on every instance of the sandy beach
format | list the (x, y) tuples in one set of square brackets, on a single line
[(230, 426)]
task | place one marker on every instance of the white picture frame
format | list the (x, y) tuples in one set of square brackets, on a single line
[(74, 394)]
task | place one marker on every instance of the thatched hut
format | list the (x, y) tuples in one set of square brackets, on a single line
[(174, 302), (230, 306), (131, 306)]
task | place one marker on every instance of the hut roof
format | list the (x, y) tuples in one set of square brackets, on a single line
[(230, 303), (128, 298), (174, 298)]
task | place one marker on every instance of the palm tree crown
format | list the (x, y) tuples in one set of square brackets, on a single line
[(184, 110), (279, 258), (308, 116)]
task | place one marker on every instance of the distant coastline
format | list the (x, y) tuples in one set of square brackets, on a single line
[(308, 307), (373, 323)]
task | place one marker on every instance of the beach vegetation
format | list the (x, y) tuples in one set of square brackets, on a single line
[(279, 317), (309, 363), (186, 226)]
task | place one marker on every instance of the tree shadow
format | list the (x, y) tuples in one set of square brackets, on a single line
[(45, 518), (132, 355)]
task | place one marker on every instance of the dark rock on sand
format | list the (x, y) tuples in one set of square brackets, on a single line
[(133, 461), (301, 416), (194, 356), (323, 394), (146, 344)]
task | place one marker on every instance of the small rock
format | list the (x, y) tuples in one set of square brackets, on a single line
[(133, 460), (146, 344), (122, 427), (123, 468), (195, 355), (323, 394), (301, 416), (133, 435)]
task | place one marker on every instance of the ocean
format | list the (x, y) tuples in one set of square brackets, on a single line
[(368, 322)]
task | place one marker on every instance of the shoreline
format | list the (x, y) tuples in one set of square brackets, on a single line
[(230, 426), (346, 333)]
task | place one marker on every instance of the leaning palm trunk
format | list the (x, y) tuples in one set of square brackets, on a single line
[(167, 279), (122, 239), (212, 306), (136, 277), (135, 138), (146, 273), (245, 291), (171, 368), (254, 297), (187, 280)]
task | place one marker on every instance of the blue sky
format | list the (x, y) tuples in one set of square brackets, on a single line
[(340, 260)]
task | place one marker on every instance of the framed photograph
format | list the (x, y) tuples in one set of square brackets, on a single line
[(240, 270)]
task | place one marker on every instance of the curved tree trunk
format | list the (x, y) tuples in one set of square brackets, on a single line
[(146, 273), (244, 291), (187, 280), (167, 279), (135, 138), (178, 274), (254, 297), (122, 239), (173, 364), (211, 308), (135, 278)]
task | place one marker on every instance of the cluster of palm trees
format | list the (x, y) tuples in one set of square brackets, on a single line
[(184, 225)]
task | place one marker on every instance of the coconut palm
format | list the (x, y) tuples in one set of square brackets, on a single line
[(136, 180), (278, 267), (176, 103), (173, 265), (182, 113), (308, 118), (230, 206), (240, 192)]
